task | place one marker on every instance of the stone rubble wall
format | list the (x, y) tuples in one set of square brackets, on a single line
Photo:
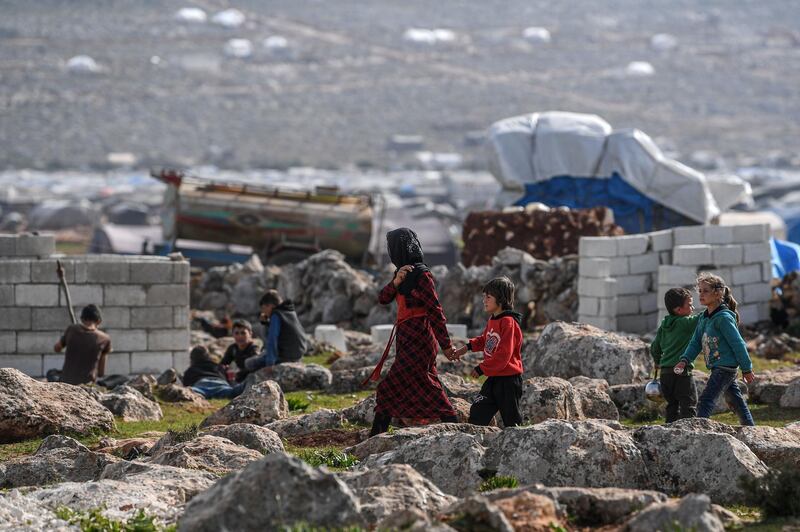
[(144, 301), (622, 280)]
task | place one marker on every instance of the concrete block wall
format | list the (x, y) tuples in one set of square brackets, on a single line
[(622, 280), (144, 301)]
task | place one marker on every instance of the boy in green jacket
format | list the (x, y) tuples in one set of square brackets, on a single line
[(673, 336)]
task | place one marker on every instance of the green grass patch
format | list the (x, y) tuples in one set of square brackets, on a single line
[(498, 482), (321, 359), (297, 405), (760, 364), (332, 457), (777, 493), (95, 521), (765, 415), (317, 401)]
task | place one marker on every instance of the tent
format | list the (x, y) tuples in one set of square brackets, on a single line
[(577, 160)]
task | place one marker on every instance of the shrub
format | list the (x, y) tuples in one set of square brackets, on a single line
[(328, 457), (296, 404), (497, 483), (645, 414), (777, 493), (185, 434), (95, 521)]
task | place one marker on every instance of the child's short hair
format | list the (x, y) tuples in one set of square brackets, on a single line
[(91, 313), (270, 297), (199, 354), (502, 289), (676, 297), (242, 324)]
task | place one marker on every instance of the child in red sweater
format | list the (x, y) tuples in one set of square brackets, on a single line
[(501, 343)]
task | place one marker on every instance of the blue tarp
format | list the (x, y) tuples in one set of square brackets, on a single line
[(785, 257), (633, 211)]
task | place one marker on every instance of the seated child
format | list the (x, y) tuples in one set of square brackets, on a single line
[(284, 339), (87, 348), (501, 343), (241, 349), (205, 376), (673, 336)]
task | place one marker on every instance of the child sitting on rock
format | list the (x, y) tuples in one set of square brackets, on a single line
[(241, 349), (501, 343), (673, 336), (285, 340), (87, 348), (205, 376)]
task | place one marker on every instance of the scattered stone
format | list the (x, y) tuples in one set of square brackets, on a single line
[(259, 439), (294, 376), (279, 486), (457, 386), (168, 377), (629, 398), (316, 421), (175, 393), (206, 453), (478, 514), (528, 511), (350, 380), (389, 441), (30, 409), (692, 512), (594, 397), (363, 412), (776, 447), (549, 398), (126, 402), (791, 397), (260, 404), (144, 384)]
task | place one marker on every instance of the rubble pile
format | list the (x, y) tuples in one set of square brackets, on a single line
[(785, 305), (542, 232)]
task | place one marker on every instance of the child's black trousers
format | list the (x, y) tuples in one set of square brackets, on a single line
[(680, 393), (498, 393)]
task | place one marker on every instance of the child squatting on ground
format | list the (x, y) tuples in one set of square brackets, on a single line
[(241, 349), (674, 334), (717, 337), (284, 339), (501, 343), (87, 348)]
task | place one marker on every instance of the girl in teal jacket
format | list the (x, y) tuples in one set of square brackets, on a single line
[(717, 337)]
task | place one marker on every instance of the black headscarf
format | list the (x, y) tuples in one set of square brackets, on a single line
[(404, 249)]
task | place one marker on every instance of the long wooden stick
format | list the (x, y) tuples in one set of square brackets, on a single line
[(63, 282)]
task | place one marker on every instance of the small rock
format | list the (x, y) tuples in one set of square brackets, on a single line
[(259, 439), (207, 453), (127, 403), (692, 512), (260, 404)]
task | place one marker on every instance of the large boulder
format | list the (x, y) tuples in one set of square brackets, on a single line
[(680, 459), (30, 409), (630, 399), (322, 419), (254, 437), (529, 511), (595, 401), (457, 386), (389, 489), (451, 460), (776, 447), (791, 397), (567, 453), (390, 441), (770, 386), (206, 453), (549, 398), (274, 492), (693, 512), (357, 360), (362, 412), (350, 380), (260, 404), (129, 404), (58, 459), (294, 376), (572, 349), (21, 512)]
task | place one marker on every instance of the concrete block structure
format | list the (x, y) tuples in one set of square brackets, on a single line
[(144, 301), (622, 280)]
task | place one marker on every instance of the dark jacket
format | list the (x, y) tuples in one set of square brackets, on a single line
[(284, 341), (234, 354), (201, 370)]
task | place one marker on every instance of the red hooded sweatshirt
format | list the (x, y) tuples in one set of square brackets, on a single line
[(501, 343)]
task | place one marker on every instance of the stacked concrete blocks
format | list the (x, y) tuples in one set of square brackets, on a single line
[(144, 300)]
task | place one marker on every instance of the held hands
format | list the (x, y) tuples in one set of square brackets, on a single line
[(454, 354), (400, 276)]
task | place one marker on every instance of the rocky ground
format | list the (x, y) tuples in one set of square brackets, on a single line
[(581, 460), (348, 81)]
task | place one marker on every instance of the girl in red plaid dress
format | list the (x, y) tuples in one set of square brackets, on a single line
[(412, 389)]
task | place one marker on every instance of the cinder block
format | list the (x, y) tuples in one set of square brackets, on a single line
[(632, 284), (648, 303), (456, 330), (748, 314), (128, 339), (718, 234), (111, 272), (653, 320), (757, 252), (594, 267), (125, 295), (36, 295), (6, 295), (647, 263), (168, 294), (637, 323), (180, 317), (750, 233), (588, 306), (766, 271), (692, 255), (333, 335), (83, 294), (151, 362), (51, 319), (628, 304), (725, 273), (629, 245), (757, 293), (37, 342), (8, 342), (15, 271), (52, 362), (729, 255), (15, 318), (118, 363), (173, 339), (380, 333), (748, 274), (597, 246), (180, 360), (608, 306), (44, 271), (597, 287), (152, 272), (763, 311), (35, 245), (31, 365), (180, 272), (607, 324), (116, 317), (688, 235), (665, 257), (152, 317), (619, 266), (661, 240), (8, 247)]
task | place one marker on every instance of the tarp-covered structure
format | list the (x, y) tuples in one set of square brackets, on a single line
[(578, 161)]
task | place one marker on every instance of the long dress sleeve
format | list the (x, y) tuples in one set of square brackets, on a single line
[(387, 294), (426, 293)]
